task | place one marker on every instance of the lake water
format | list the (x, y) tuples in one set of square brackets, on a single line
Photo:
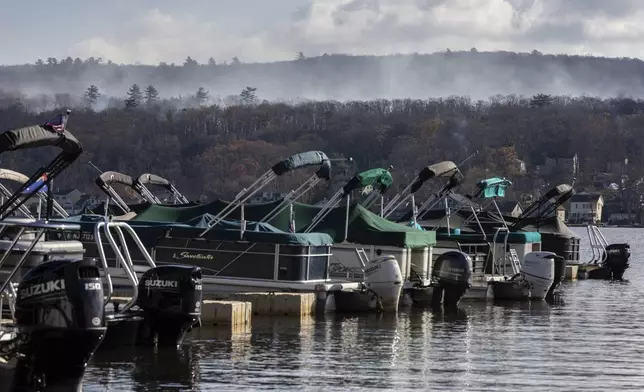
[(593, 341)]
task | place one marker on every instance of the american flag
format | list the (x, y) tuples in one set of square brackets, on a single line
[(291, 226), (34, 185), (57, 123)]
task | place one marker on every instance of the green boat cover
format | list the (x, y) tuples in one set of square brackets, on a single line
[(365, 227), (226, 230), (379, 179), (529, 237), (492, 187)]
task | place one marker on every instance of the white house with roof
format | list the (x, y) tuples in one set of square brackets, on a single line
[(586, 208)]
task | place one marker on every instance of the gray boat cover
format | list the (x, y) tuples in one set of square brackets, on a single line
[(40, 136), (153, 179), (311, 158), (6, 174), (112, 177), (440, 169)]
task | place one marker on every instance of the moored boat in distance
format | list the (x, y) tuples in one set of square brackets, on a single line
[(497, 254), (236, 255)]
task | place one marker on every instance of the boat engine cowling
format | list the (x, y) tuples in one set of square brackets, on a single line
[(451, 276), (617, 258), (170, 297), (383, 276), (60, 320), (560, 273), (538, 270)]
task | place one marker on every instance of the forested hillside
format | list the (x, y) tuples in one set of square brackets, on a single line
[(342, 77), (215, 151)]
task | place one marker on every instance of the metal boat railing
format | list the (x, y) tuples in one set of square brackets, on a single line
[(123, 256), (598, 245), (119, 247), (508, 255)]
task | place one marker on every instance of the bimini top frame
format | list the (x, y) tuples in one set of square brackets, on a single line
[(10, 175), (546, 205), (52, 133), (153, 179), (379, 180), (297, 161), (441, 169), (105, 181)]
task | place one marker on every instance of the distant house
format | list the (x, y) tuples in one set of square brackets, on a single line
[(561, 213), (510, 208), (586, 208), (68, 198), (621, 218), (568, 165)]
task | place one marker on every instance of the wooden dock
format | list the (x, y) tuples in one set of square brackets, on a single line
[(234, 311)]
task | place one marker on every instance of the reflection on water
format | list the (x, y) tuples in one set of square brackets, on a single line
[(593, 341)]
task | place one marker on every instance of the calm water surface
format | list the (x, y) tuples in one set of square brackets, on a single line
[(594, 341)]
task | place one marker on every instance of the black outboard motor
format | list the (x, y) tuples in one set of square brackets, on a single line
[(560, 273), (452, 277), (618, 256), (170, 298), (617, 261), (60, 323)]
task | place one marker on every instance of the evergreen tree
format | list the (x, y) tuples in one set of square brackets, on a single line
[(211, 62), (190, 62), (201, 96), (236, 61), (91, 95), (134, 97), (300, 56), (541, 100), (248, 95), (151, 95)]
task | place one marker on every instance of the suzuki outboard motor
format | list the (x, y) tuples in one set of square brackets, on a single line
[(618, 256), (451, 278), (170, 299), (60, 323)]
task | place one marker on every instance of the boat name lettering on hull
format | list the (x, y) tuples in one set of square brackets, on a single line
[(42, 288), (192, 256)]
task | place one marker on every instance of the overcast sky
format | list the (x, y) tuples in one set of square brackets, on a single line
[(150, 31)]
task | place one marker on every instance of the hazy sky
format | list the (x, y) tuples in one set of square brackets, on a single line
[(150, 31)]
